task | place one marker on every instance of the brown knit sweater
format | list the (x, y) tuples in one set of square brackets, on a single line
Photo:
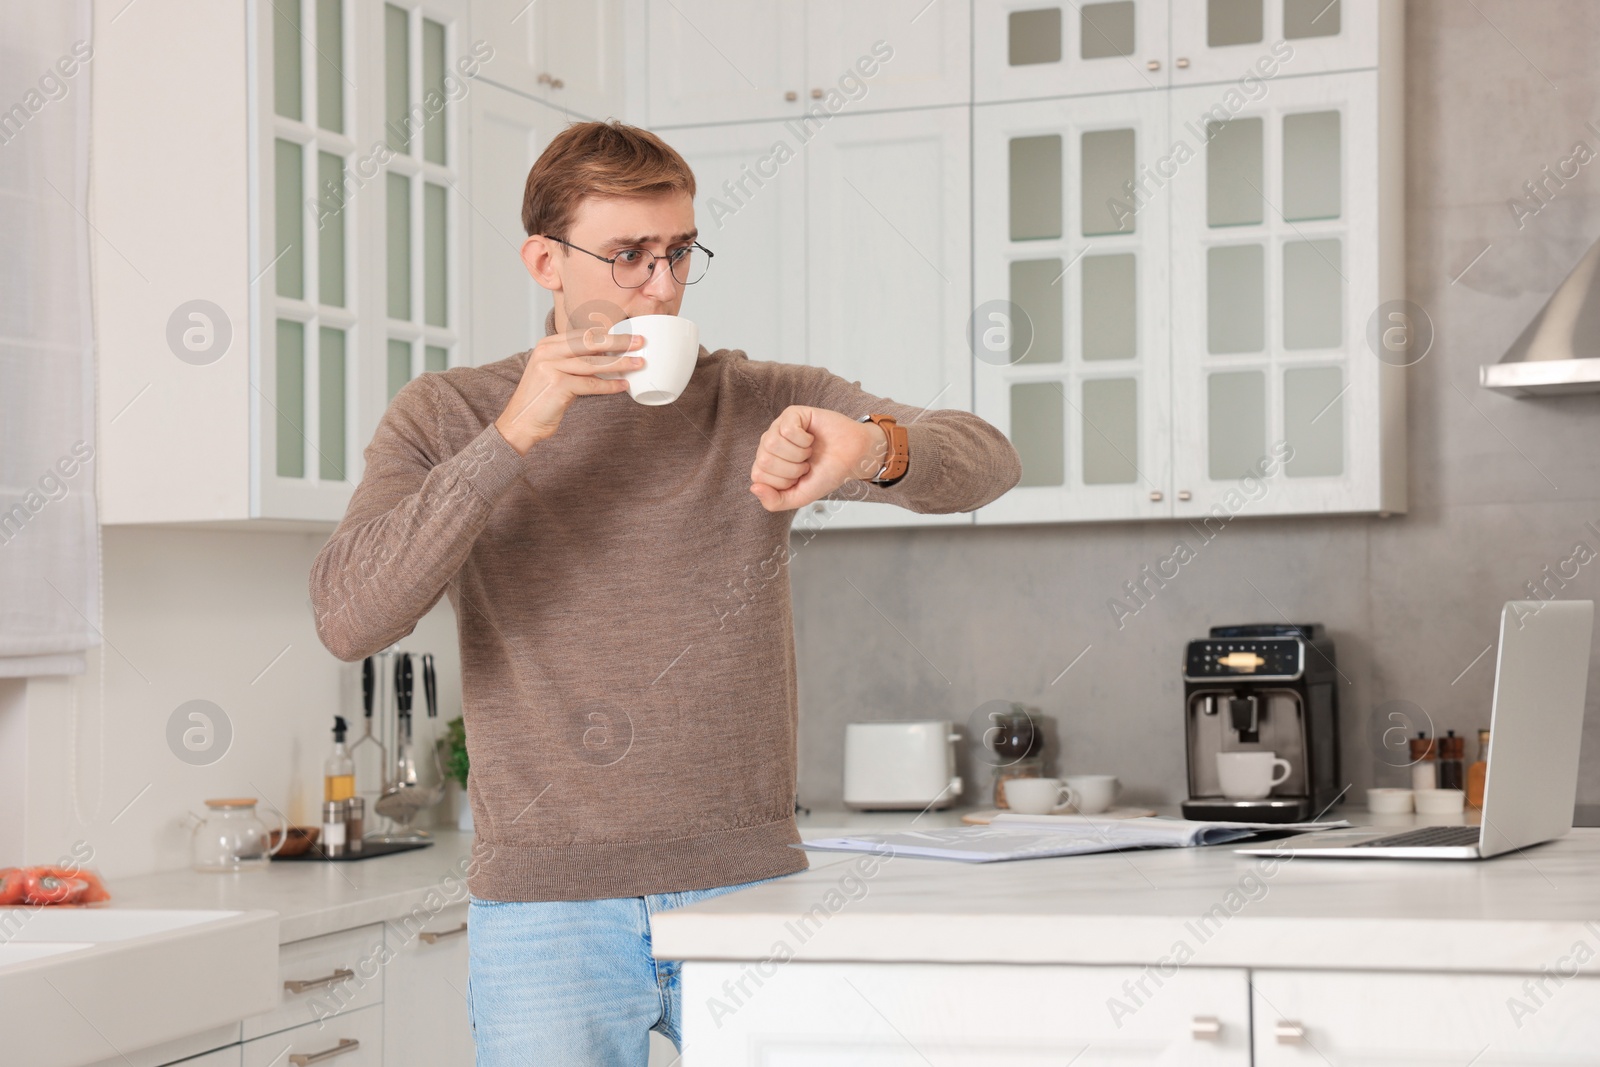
[(627, 646)]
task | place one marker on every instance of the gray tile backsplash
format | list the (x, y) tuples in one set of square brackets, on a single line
[(1500, 488)]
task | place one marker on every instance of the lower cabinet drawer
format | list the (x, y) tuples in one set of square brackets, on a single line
[(223, 1057), (329, 975), (1322, 1017), (799, 1014), (354, 1039)]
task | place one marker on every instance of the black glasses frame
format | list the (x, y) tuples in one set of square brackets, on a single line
[(651, 269)]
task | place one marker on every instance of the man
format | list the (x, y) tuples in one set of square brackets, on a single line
[(627, 645)]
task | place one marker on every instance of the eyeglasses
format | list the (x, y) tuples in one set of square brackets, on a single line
[(632, 267)]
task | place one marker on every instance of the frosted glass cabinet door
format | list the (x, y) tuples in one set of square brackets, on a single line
[(750, 212), (930, 50), (1275, 273), (888, 266), (725, 61), (1070, 349), (1024, 49), (1222, 41)]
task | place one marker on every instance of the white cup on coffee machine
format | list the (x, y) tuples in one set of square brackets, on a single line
[(1251, 775)]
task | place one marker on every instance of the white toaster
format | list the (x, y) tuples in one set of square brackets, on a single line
[(893, 765)]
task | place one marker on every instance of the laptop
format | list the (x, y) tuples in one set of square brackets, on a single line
[(1535, 727)]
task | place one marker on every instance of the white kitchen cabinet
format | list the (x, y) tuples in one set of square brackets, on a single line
[(724, 61), (1025, 49), (751, 212), (736, 61), (324, 976), (256, 316), (508, 131), (792, 1013), (425, 1019), (1278, 231), (888, 265), (1070, 270), (232, 1056), (354, 1039), (1221, 41), (1328, 1017), (564, 53)]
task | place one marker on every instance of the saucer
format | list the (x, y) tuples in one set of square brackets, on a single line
[(981, 818)]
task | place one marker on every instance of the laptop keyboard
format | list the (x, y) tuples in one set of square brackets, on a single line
[(1426, 837)]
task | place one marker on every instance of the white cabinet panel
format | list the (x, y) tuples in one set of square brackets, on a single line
[(335, 973), (1070, 246), (1275, 273), (1024, 49), (929, 48), (425, 1020), (750, 210), (508, 306), (1224, 40), (565, 53), (973, 1015), (1310, 1017), (888, 265), (354, 1039), (725, 61)]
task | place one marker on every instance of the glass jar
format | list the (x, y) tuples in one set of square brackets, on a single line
[(232, 838)]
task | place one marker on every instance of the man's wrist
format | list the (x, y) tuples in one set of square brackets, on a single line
[(877, 453)]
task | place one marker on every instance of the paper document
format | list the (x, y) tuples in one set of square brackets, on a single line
[(1010, 836)]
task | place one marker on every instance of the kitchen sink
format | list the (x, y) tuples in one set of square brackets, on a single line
[(82, 985)]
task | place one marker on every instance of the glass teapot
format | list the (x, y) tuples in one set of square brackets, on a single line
[(231, 838)]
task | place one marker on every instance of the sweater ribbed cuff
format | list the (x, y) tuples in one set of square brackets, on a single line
[(489, 464)]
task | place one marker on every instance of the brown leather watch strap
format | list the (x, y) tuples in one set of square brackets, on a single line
[(899, 456)]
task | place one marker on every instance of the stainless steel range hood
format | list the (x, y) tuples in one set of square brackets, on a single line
[(1559, 352)]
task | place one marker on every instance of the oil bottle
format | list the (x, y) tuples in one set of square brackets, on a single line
[(339, 770)]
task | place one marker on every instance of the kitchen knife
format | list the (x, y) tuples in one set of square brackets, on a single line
[(430, 685)]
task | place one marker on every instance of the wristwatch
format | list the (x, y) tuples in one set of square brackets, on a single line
[(899, 456)]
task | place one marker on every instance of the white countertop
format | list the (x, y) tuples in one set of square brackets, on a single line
[(317, 898), (1518, 912), (320, 898)]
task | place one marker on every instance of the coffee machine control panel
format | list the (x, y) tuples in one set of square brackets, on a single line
[(1216, 659)]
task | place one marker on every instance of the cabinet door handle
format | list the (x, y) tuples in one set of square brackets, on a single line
[(1289, 1033), (1155, 496), (1184, 494), (546, 79), (300, 985), (791, 95), (1152, 64), (430, 936), (816, 94), (1206, 1028), (1183, 62), (346, 1044)]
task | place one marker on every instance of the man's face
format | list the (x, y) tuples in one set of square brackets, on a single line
[(583, 285)]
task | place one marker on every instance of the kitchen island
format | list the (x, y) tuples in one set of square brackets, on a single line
[(1159, 956)]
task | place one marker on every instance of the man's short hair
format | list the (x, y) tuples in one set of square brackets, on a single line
[(598, 159)]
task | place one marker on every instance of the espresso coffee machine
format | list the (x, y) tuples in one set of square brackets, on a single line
[(1268, 687)]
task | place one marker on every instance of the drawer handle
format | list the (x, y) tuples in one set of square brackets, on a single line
[(1289, 1033), (300, 985), (346, 1044), (430, 936), (1207, 1028)]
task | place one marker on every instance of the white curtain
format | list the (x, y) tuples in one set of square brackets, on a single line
[(49, 535)]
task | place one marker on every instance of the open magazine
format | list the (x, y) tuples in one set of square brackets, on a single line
[(1012, 836)]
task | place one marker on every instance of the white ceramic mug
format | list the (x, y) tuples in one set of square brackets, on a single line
[(1249, 775), (1038, 796), (1095, 792), (671, 346)]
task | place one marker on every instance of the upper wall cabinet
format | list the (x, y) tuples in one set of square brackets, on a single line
[(1029, 48), (565, 53), (735, 61)]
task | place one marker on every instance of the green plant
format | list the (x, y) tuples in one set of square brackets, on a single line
[(455, 742)]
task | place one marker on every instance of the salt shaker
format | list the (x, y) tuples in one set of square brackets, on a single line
[(355, 817), (333, 828)]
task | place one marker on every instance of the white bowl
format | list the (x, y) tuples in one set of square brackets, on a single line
[(1440, 801), (1389, 801)]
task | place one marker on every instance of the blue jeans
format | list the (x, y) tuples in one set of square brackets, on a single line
[(559, 982)]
